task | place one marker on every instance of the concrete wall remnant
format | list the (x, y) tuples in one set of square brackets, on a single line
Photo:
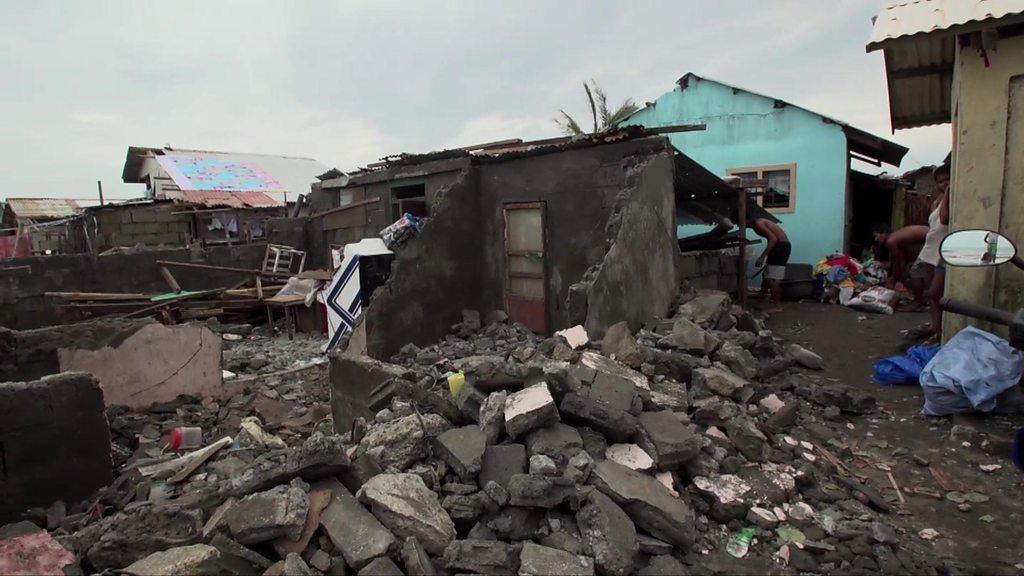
[(54, 442), (353, 379)]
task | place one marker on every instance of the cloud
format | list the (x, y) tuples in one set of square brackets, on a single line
[(494, 127), (95, 118)]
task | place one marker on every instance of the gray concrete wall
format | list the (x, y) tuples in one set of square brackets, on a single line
[(433, 277), (637, 278), (709, 269), (23, 281), (147, 224)]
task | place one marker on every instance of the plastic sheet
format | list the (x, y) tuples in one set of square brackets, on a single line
[(904, 370), (974, 371)]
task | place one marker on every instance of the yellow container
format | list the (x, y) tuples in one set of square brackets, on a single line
[(456, 382)]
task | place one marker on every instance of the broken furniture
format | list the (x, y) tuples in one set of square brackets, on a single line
[(280, 260)]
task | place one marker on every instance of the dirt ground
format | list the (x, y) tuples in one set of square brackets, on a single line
[(981, 535)]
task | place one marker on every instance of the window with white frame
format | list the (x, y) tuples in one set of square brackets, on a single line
[(780, 193)]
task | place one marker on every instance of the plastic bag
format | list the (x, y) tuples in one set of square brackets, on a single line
[(974, 371), (901, 370), (398, 233), (878, 299)]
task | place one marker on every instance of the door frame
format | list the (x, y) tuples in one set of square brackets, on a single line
[(542, 206)]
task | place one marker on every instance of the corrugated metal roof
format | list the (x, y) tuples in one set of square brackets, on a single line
[(224, 199), (918, 39), (907, 18), (43, 208)]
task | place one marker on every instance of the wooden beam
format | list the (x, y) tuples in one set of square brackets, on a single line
[(213, 268)]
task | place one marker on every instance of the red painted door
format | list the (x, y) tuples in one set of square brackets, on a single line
[(525, 270)]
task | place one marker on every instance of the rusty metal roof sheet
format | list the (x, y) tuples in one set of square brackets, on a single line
[(911, 17), (224, 199), (44, 208)]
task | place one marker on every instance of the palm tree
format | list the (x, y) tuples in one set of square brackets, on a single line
[(603, 119)]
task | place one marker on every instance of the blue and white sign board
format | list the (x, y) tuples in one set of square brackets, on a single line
[(343, 296)]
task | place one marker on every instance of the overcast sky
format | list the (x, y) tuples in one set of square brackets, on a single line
[(349, 82)]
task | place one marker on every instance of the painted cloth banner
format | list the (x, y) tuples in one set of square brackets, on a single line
[(343, 297)]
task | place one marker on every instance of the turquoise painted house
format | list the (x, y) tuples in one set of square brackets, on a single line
[(824, 205)]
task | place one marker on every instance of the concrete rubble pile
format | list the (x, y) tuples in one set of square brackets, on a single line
[(499, 452)]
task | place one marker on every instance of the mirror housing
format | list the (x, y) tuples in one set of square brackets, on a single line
[(976, 248)]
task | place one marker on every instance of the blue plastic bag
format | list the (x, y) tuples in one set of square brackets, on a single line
[(972, 372), (904, 370)]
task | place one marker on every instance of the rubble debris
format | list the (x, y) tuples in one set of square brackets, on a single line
[(619, 344), (616, 425), (608, 535), (29, 550), (538, 491), (278, 512), (536, 560), (665, 438), (530, 408), (492, 417), (805, 357), (463, 450), (382, 566), (501, 462), (404, 504), (630, 455), (402, 442), (647, 502), (416, 560), (182, 561), (353, 530), (559, 442), (576, 337), (481, 557)]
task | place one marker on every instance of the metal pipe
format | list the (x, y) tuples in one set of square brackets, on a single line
[(976, 311)]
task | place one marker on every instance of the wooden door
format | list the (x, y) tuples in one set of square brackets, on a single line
[(525, 269)]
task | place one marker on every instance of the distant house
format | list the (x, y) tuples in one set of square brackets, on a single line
[(805, 156), (36, 225)]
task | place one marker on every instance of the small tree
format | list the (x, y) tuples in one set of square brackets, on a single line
[(603, 119)]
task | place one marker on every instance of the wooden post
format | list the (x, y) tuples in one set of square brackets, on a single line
[(169, 279), (99, 185), (259, 286), (741, 260)]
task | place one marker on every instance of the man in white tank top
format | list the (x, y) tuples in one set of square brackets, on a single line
[(929, 263)]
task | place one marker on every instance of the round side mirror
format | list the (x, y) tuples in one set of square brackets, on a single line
[(977, 248)]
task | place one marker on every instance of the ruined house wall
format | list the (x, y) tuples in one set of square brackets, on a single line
[(147, 224), (637, 278), (709, 269), (579, 188), (23, 281), (433, 278)]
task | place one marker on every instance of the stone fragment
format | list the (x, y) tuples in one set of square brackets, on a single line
[(404, 504), (237, 558), (689, 337), (750, 441), (614, 391), (653, 546), (353, 530), (181, 561), (492, 417), (665, 438), (720, 382), (382, 566), (739, 360), (536, 560), (481, 557), (528, 409), (762, 518), (538, 491), (497, 493), (132, 534), (513, 523), (706, 308), (463, 450), (578, 469), (464, 509), (647, 502), (404, 441), (772, 403), (495, 317), (416, 560), (630, 455), (616, 425), (320, 560), (576, 336), (318, 500), (294, 565), (558, 441), (783, 418), (600, 363), (501, 462), (805, 357), (542, 465), (469, 401), (608, 534), (362, 469), (265, 516), (663, 566), (726, 493), (593, 442), (619, 344)]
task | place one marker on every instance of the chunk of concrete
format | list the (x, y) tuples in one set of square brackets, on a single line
[(501, 462), (594, 363), (619, 343), (608, 534), (613, 390), (492, 417), (264, 516), (294, 565), (181, 561), (689, 337), (664, 565), (747, 438), (720, 382), (514, 523), (404, 440), (665, 438), (353, 530), (354, 378), (497, 493), (578, 469), (706, 308), (382, 566), (542, 465), (481, 557), (536, 560), (739, 360), (463, 450), (530, 408), (647, 502), (55, 442), (576, 336), (558, 441), (805, 357), (726, 493), (630, 456), (538, 491), (416, 560), (616, 425), (470, 400), (26, 549), (319, 457), (762, 518), (404, 504)]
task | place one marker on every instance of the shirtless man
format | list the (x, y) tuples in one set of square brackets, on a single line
[(775, 255), (903, 245)]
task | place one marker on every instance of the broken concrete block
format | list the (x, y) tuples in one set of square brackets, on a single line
[(536, 560), (630, 456), (237, 558), (720, 382), (264, 516), (772, 403), (647, 502), (497, 493), (689, 337), (492, 417), (805, 357), (353, 380), (514, 523), (608, 534), (706, 308), (359, 471), (382, 566), (747, 438), (599, 363), (469, 401), (319, 457), (416, 560), (542, 465), (404, 504), (320, 560), (617, 425), (495, 317), (353, 530), (578, 469), (294, 565), (530, 408), (181, 561), (318, 500), (26, 549), (463, 450), (55, 442), (619, 343), (739, 360), (726, 493), (132, 534), (613, 390), (403, 441), (575, 337), (653, 546), (501, 462), (665, 438), (538, 491), (466, 509), (558, 441), (762, 518), (664, 565), (481, 557)]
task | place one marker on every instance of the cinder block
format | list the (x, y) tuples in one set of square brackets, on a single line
[(140, 215)]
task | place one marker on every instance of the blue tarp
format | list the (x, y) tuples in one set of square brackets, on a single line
[(974, 371), (904, 370)]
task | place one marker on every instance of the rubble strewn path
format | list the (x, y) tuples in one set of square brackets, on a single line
[(955, 474)]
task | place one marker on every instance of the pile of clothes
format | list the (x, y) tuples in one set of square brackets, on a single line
[(842, 277)]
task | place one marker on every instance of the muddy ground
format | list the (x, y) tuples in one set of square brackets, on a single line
[(979, 534)]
